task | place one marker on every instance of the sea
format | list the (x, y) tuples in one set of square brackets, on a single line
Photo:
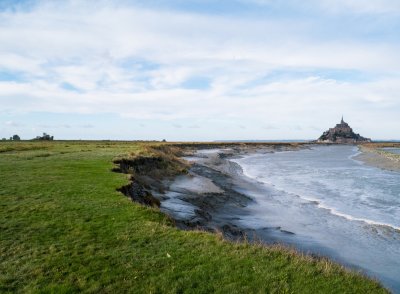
[(322, 200)]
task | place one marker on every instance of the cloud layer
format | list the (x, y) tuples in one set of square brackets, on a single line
[(256, 74)]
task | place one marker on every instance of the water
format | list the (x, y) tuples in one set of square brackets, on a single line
[(392, 150), (323, 201)]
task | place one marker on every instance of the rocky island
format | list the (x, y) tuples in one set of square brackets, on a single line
[(342, 133)]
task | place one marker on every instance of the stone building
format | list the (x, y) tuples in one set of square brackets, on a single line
[(342, 133)]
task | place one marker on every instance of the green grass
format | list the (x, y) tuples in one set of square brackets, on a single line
[(64, 228)]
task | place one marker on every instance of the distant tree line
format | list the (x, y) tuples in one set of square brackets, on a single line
[(45, 137), (13, 138)]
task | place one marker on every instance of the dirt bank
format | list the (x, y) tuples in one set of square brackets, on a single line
[(200, 191)]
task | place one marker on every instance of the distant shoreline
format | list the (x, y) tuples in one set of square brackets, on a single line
[(373, 155)]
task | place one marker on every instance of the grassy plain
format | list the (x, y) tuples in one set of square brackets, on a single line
[(64, 228)]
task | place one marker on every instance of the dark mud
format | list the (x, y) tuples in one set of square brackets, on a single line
[(211, 196)]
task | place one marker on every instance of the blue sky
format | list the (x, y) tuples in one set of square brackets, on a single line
[(199, 70)]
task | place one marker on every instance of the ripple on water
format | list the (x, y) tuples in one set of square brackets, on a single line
[(354, 211)]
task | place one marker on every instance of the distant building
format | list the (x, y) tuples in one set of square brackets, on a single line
[(342, 133)]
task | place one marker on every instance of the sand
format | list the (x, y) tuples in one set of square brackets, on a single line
[(379, 158)]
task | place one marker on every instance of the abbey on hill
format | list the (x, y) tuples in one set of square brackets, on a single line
[(342, 134)]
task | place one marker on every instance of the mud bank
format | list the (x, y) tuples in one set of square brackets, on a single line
[(201, 189), (147, 173)]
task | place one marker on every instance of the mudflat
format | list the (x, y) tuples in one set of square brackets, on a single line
[(375, 155)]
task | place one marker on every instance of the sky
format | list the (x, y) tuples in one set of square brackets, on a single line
[(199, 70)]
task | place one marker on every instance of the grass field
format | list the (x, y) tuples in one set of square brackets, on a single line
[(64, 228)]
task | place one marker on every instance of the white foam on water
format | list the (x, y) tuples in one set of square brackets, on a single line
[(320, 203), (334, 205)]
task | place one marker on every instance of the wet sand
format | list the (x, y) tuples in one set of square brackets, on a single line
[(379, 158)]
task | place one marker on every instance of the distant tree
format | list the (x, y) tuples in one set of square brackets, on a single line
[(16, 138), (4, 139), (45, 137), (164, 140)]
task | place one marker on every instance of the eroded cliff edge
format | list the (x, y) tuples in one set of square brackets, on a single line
[(195, 184)]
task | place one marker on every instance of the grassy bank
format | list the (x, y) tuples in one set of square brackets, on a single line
[(65, 228)]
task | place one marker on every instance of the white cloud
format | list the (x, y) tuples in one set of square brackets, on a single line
[(11, 123), (77, 58), (335, 6), (362, 6)]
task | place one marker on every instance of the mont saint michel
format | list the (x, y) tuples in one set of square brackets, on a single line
[(179, 146), (342, 133)]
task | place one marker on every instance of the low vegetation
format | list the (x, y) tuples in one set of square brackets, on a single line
[(65, 228)]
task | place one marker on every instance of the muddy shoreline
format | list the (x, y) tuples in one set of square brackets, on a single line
[(213, 195), (379, 158), (209, 195)]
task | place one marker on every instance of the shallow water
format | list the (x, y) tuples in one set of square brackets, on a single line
[(321, 200), (392, 150)]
